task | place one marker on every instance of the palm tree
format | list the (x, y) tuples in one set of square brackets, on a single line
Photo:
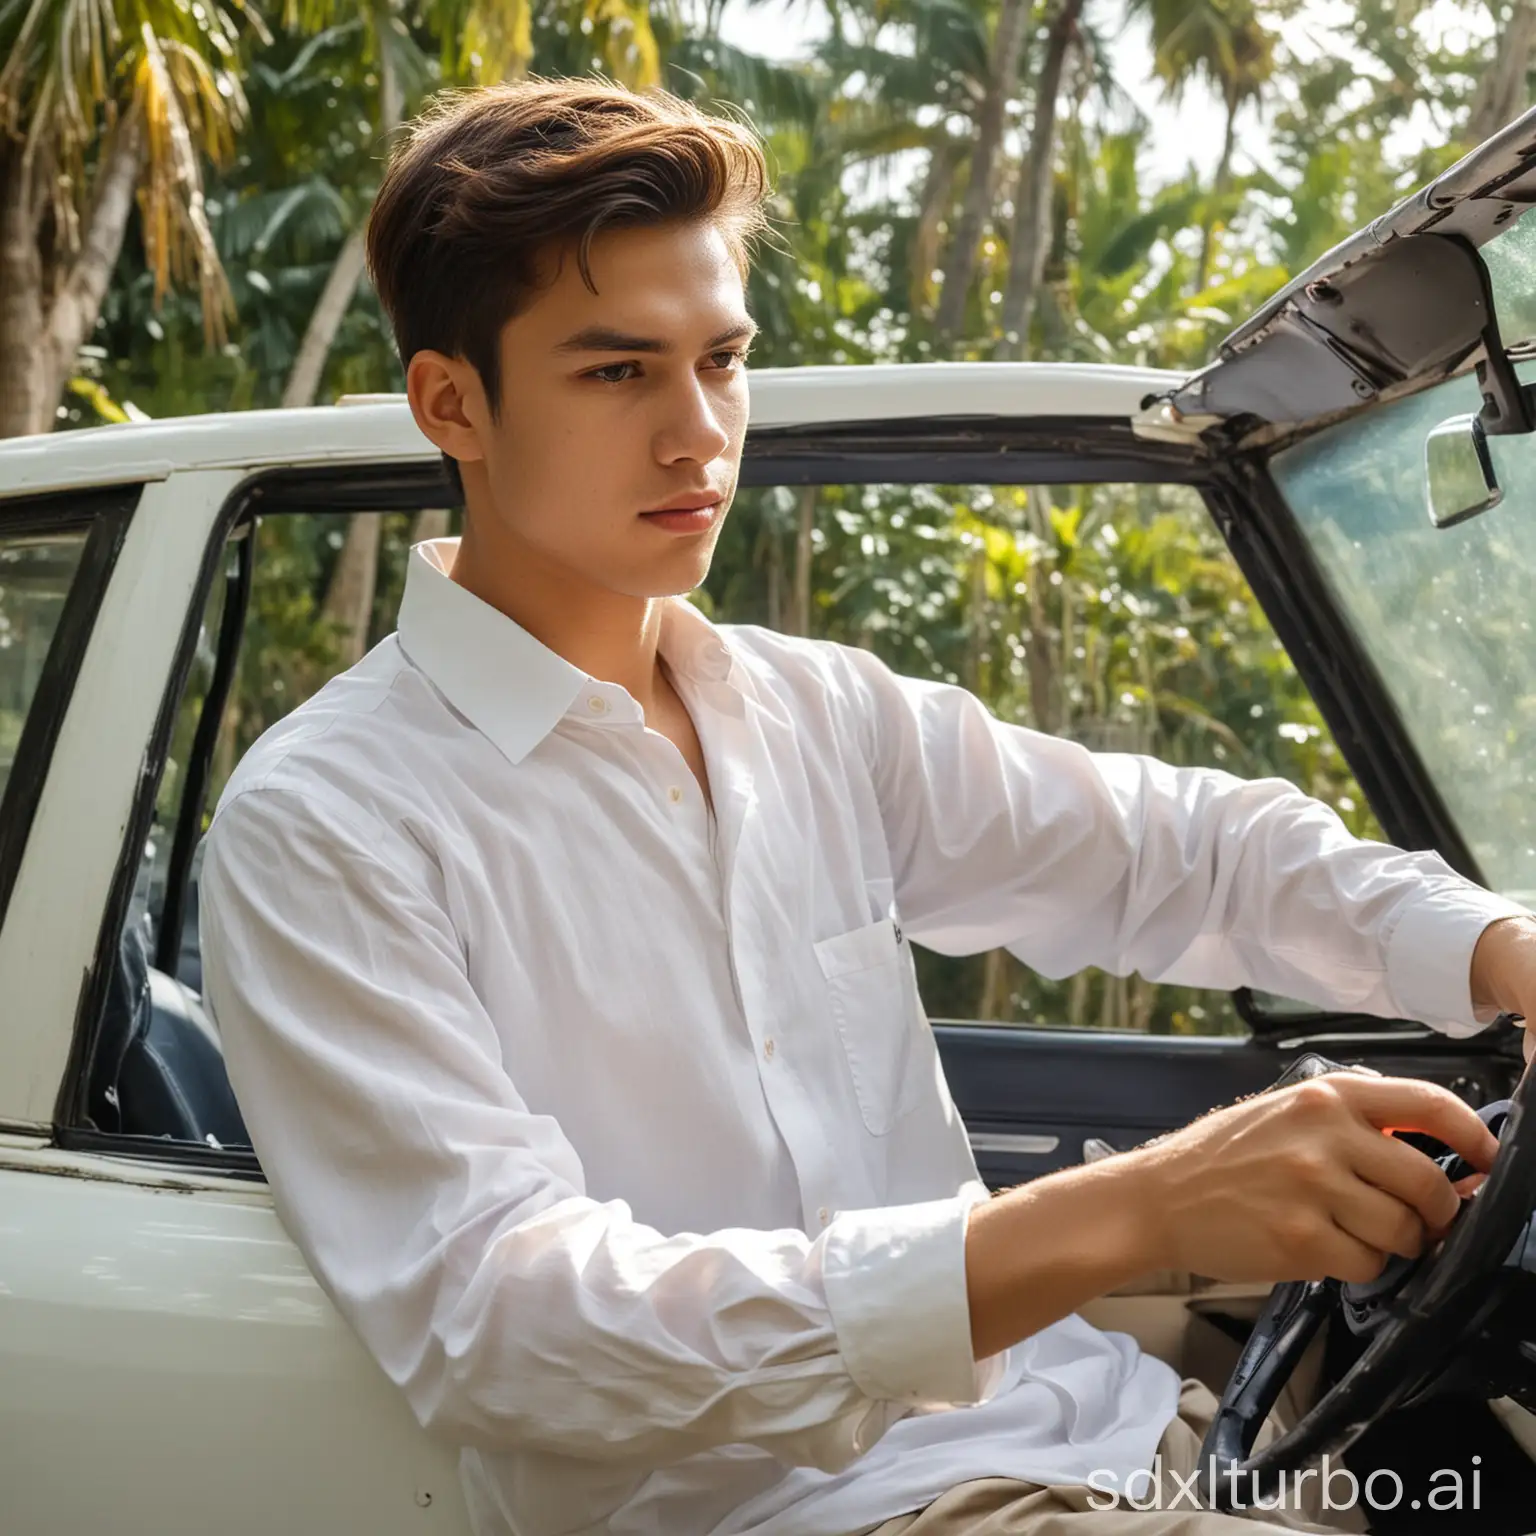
[(1226, 43), (388, 45), (1504, 92), (976, 207), (927, 75), (103, 103), (482, 41), (1031, 203)]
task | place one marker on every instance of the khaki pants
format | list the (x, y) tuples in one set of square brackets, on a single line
[(1001, 1506)]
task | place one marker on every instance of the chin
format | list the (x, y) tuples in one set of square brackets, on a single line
[(677, 579), (679, 588)]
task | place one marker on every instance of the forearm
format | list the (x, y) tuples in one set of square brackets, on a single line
[(645, 1348), (1296, 1184), (1039, 1252), (1503, 973), (1503, 965)]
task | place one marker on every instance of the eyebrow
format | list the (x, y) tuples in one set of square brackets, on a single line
[(601, 338)]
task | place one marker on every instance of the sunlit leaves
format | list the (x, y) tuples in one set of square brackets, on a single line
[(78, 74)]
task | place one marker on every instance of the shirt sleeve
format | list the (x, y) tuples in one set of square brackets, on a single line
[(1002, 836), (449, 1221)]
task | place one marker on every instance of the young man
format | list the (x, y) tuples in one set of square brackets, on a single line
[(560, 947)]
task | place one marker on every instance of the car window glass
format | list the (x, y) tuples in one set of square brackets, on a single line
[(1109, 613), (1442, 612), (1511, 260), (36, 572)]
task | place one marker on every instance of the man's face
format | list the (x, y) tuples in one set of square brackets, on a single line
[(615, 404)]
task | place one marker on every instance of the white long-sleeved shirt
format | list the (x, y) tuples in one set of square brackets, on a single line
[(616, 1128)]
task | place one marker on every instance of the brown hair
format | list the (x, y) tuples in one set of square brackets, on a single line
[(488, 182)]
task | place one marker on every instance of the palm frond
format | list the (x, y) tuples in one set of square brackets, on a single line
[(494, 41), (177, 239), (625, 40), (1132, 242), (708, 70), (309, 214), (304, 60)]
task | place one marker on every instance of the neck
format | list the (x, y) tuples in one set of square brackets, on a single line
[(607, 634)]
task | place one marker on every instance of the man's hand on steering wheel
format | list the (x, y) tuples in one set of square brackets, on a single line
[(1304, 1182), (1305, 1185)]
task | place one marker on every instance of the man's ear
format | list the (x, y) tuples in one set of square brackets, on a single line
[(449, 404)]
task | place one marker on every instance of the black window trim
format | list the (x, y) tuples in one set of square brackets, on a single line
[(104, 515), (200, 755)]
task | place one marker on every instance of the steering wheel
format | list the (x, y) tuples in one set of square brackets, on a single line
[(1446, 1320)]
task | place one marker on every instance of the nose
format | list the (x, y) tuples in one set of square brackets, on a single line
[(698, 423)]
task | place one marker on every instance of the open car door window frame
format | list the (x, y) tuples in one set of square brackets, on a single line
[(103, 518), (95, 770)]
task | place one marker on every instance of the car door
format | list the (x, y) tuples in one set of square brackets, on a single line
[(167, 1363)]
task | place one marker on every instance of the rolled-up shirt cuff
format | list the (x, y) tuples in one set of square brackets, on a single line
[(1429, 956), (896, 1288)]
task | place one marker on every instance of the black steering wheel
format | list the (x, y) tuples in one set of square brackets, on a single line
[(1451, 1320)]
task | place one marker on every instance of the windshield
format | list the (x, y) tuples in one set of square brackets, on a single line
[(1511, 261), (1444, 613)]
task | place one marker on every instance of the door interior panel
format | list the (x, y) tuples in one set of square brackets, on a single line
[(1032, 1098)]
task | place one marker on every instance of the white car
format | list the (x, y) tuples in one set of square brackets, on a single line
[(169, 1366)]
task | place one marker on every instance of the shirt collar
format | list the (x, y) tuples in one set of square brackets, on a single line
[(508, 684)]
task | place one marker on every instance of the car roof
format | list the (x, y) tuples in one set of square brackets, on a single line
[(379, 428), (1383, 313)]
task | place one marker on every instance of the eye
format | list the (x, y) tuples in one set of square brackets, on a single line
[(731, 356), (606, 374)]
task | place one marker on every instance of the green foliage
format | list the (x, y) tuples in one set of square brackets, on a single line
[(74, 77)]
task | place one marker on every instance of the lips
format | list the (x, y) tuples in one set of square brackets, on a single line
[(697, 503), (695, 515)]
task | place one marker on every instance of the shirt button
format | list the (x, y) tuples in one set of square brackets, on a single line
[(768, 1049), (824, 1215), (675, 794), (598, 704)]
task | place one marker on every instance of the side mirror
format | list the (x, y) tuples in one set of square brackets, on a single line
[(1458, 471)]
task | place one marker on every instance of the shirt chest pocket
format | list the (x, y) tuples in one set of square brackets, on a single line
[(873, 1001)]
